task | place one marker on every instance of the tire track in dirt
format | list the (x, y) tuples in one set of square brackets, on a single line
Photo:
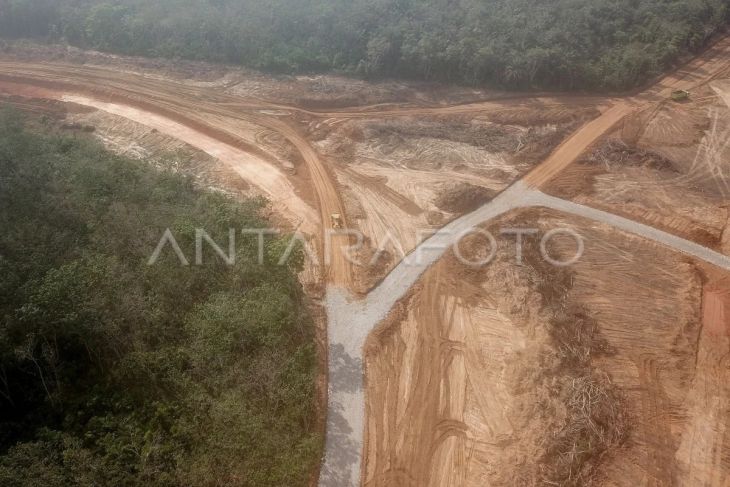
[(656, 425), (426, 405), (408, 206), (704, 451), (351, 321)]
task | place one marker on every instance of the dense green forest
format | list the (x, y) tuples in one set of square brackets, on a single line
[(116, 372), (564, 44)]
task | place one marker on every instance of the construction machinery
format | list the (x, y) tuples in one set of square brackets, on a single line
[(680, 95)]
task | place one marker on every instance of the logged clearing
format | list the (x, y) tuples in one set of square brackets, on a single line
[(668, 167), (404, 178), (611, 371), (380, 167)]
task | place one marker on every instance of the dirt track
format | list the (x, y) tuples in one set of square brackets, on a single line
[(227, 126), (221, 116), (204, 112), (577, 144)]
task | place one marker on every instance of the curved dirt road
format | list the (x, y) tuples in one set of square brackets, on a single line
[(216, 115), (208, 114)]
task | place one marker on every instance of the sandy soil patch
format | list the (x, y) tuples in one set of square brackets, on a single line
[(252, 169)]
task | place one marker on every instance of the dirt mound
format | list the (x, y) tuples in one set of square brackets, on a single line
[(485, 135), (617, 152), (463, 197), (535, 116)]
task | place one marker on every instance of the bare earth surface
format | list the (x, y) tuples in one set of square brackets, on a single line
[(610, 371)]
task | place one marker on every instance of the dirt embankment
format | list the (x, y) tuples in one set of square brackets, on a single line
[(463, 198)]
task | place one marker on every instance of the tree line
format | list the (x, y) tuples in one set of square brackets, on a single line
[(556, 44)]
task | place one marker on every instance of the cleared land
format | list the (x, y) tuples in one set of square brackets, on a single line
[(527, 374), (666, 164), (481, 378)]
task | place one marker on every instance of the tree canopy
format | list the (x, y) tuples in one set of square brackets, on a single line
[(116, 372), (560, 44)]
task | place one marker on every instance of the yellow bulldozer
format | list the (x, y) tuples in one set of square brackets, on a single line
[(336, 221), (680, 95)]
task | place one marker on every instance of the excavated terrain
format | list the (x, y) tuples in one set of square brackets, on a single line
[(403, 178), (667, 166), (612, 371), (607, 372)]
